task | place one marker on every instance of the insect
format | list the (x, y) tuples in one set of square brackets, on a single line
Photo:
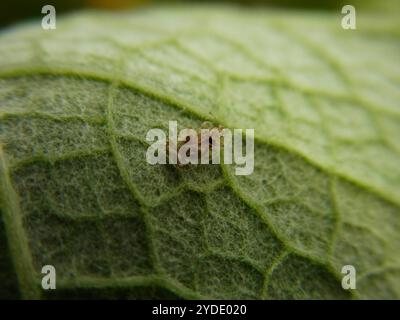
[(204, 142)]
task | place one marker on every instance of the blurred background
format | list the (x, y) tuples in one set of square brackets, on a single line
[(12, 11)]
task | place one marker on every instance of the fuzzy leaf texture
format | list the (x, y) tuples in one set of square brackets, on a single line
[(76, 191)]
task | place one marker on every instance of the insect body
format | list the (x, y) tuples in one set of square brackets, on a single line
[(203, 141), (200, 146)]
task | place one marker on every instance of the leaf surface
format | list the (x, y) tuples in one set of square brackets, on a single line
[(76, 190)]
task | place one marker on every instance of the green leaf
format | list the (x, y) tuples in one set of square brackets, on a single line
[(76, 191)]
